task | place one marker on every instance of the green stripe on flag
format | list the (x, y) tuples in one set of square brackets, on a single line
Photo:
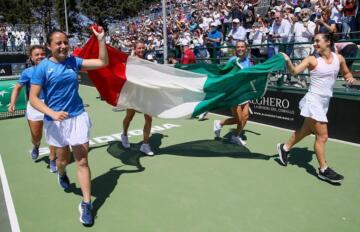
[(229, 85)]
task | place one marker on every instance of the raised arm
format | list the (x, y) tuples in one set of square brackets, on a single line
[(294, 70), (103, 59)]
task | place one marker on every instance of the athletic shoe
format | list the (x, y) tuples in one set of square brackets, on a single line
[(35, 153), (64, 181), (237, 140), (52, 165), (86, 216), (283, 155), (202, 116), (125, 141), (330, 175), (145, 148), (217, 128)]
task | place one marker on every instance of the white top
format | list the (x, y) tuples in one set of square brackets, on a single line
[(304, 34), (238, 33), (323, 77), (283, 30)]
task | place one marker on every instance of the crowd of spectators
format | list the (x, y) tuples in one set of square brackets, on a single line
[(13, 39), (211, 27)]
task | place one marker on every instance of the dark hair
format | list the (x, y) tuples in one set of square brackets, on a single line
[(242, 41), (33, 47), (329, 37), (138, 42), (50, 34)]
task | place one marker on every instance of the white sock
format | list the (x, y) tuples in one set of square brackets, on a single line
[(285, 147), (323, 169)]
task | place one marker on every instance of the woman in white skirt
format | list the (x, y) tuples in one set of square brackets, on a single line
[(324, 68), (66, 122), (35, 118)]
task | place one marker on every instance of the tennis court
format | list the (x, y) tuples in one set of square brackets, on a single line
[(193, 183)]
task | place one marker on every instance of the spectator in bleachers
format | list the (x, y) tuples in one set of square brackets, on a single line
[(348, 19), (324, 24), (188, 56), (213, 40), (337, 12), (4, 41), (249, 18), (258, 36), (280, 30), (236, 33), (12, 41), (28, 39), (303, 31)]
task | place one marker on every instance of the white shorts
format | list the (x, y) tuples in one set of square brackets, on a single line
[(72, 131), (314, 106), (33, 114)]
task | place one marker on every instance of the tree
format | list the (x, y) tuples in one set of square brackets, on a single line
[(43, 10)]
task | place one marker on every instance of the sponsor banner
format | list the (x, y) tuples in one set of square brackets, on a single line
[(281, 109), (278, 109), (5, 70), (6, 88)]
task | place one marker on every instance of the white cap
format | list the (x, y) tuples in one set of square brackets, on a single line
[(236, 20), (213, 24), (297, 10)]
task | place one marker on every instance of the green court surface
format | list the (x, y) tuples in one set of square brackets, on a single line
[(193, 183)]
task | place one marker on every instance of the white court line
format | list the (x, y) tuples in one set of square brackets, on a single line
[(288, 130), (8, 199)]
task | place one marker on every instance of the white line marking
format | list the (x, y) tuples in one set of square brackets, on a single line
[(288, 130), (8, 199)]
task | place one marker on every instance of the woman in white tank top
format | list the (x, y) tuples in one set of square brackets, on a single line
[(324, 68)]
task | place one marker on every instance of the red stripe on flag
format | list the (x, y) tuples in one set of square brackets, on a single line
[(109, 80)]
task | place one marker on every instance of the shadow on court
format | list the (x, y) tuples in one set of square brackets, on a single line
[(102, 186), (199, 148), (302, 157), (205, 148), (129, 156)]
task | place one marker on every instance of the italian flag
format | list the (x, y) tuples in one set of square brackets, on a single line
[(181, 92)]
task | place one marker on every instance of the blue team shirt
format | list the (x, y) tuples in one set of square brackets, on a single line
[(60, 85), (245, 63), (215, 35), (25, 79)]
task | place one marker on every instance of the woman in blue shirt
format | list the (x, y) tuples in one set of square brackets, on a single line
[(34, 117), (66, 123)]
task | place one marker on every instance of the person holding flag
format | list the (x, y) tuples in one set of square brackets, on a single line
[(241, 111), (66, 122), (139, 52), (324, 67)]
